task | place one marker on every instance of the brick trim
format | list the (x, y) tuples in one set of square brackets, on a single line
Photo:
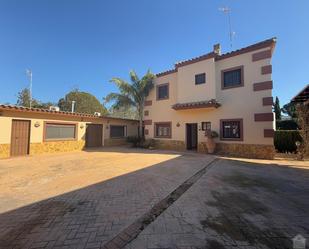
[(148, 122), (260, 117), (261, 55), (148, 103), (260, 86), (266, 69), (269, 133), (268, 101)]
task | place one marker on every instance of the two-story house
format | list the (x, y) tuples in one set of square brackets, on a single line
[(228, 93)]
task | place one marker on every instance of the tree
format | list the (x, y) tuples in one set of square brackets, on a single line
[(277, 109), (302, 111), (84, 103), (123, 112), (23, 99), (132, 94), (289, 109)]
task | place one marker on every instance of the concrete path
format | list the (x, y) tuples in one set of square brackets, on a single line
[(235, 204)]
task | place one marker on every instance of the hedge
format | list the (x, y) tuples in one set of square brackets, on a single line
[(286, 125), (284, 141)]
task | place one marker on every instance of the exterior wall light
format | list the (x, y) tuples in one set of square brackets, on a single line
[(178, 125), (37, 124)]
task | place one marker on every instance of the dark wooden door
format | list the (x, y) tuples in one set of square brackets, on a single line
[(191, 130), (20, 137), (94, 135)]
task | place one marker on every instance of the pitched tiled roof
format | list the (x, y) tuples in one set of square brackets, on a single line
[(196, 105), (264, 44), (46, 111), (302, 96)]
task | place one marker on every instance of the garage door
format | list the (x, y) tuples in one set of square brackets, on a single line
[(94, 135), (20, 137)]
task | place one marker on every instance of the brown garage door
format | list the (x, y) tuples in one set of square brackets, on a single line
[(94, 135), (20, 137)]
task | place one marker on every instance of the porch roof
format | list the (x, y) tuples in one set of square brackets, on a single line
[(197, 105)]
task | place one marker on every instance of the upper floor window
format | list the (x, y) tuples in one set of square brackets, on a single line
[(231, 129), (232, 77), (200, 78), (163, 91)]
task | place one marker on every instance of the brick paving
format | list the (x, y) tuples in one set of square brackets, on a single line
[(85, 200), (236, 204), (91, 215)]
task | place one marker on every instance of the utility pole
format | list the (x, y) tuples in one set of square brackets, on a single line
[(29, 74), (226, 10)]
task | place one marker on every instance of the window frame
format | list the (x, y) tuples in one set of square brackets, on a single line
[(165, 124), (125, 131), (241, 126), (199, 74), (205, 123), (168, 91), (233, 69), (60, 139)]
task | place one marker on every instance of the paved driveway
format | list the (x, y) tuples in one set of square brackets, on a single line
[(150, 199), (82, 200)]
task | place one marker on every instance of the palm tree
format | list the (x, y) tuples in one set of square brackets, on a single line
[(132, 94)]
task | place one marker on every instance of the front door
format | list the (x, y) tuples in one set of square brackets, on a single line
[(20, 137), (94, 135), (191, 130)]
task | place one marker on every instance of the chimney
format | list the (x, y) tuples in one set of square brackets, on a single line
[(217, 49)]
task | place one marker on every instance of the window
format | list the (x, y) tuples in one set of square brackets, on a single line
[(200, 79), (60, 131), (162, 91), (231, 129), (232, 77), (163, 130), (206, 126), (117, 131)]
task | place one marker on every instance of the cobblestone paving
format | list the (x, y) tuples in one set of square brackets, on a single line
[(236, 204), (91, 214)]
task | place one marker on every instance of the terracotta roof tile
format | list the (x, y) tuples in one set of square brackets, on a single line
[(46, 111), (263, 44)]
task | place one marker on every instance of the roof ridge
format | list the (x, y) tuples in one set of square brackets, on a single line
[(252, 47)]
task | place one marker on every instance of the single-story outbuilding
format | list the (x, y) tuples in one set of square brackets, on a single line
[(25, 131)]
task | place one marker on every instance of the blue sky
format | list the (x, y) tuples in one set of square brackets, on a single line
[(74, 43)]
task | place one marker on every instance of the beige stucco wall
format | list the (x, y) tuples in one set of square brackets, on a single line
[(240, 102), (187, 91), (37, 145)]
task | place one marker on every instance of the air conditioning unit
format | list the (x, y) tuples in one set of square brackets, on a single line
[(54, 108), (97, 114)]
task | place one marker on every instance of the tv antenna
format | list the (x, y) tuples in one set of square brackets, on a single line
[(226, 10)]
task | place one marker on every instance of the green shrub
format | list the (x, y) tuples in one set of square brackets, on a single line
[(135, 141), (284, 141), (286, 125)]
